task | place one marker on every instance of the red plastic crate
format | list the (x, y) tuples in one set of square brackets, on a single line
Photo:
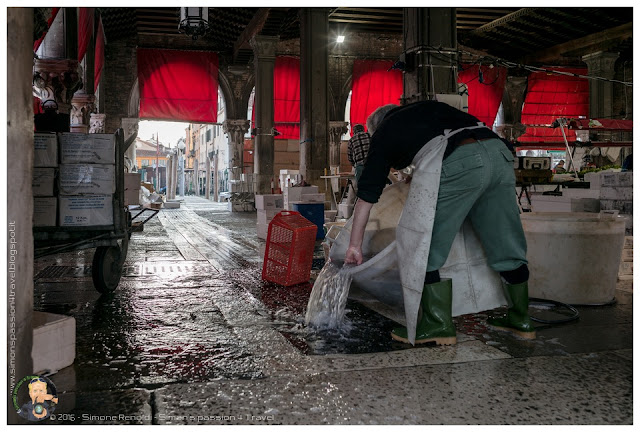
[(289, 252)]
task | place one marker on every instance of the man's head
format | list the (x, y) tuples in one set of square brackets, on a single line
[(561, 163), (37, 387), (377, 116), (358, 128)]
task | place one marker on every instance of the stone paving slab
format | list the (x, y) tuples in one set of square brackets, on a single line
[(576, 389)]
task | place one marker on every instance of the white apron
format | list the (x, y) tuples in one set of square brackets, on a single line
[(476, 287)]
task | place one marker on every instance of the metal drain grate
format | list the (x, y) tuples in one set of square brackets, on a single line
[(151, 269), (57, 272)]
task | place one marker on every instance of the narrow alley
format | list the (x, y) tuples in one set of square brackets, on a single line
[(192, 335)]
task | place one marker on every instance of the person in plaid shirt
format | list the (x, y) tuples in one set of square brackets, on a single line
[(358, 149)]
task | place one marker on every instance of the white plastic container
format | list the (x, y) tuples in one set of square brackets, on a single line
[(54, 341), (573, 257)]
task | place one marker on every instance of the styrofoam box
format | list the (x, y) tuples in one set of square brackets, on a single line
[(234, 206), (85, 210), (550, 203), (87, 148), (54, 341), (292, 194), (131, 181), (621, 179), (317, 197), (580, 193), (624, 207), (265, 216), (42, 181), (593, 178), (626, 268), (172, 205), (589, 205), (628, 224), (45, 145), (627, 255), (44, 211), (628, 242), (272, 201), (616, 193), (80, 179), (262, 230)]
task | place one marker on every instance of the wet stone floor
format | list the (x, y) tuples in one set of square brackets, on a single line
[(193, 336)]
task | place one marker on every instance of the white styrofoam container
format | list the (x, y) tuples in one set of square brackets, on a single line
[(44, 211), (85, 210), (616, 193), (45, 152), (172, 205), (54, 341), (262, 230), (345, 210), (265, 216), (623, 206), (550, 203), (580, 193), (292, 194), (594, 180), (234, 206), (80, 179), (590, 205), (316, 197), (271, 201), (42, 182), (87, 148), (620, 179)]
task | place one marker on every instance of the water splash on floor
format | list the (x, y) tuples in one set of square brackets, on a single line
[(326, 308)]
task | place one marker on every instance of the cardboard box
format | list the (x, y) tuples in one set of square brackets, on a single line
[(54, 341), (593, 178), (291, 194), (265, 216), (269, 202), (87, 148), (131, 197), (319, 197), (45, 149), (85, 210), (262, 231), (616, 193), (280, 145), (92, 179), (44, 211), (624, 207), (42, 181), (627, 255), (628, 242), (235, 206), (616, 179), (132, 181)]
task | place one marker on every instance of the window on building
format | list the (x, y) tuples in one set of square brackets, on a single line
[(209, 134), (145, 162), (163, 162)]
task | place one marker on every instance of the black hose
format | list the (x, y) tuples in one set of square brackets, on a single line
[(573, 317)]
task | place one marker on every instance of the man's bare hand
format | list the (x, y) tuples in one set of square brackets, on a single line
[(353, 256)]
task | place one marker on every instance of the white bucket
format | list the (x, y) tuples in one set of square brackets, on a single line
[(573, 257)]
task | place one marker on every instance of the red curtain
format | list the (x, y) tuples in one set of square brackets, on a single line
[(54, 13), (85, 30), (550, 96), (99, 55), (484, 97), (178, 85), (373, 85), (286, 98)]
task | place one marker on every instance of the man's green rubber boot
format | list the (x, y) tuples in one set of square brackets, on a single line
[(435, 324), (516, 320)]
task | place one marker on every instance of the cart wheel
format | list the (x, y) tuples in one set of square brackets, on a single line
[(106, 270)]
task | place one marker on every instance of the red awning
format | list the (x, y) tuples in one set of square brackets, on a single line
[(374, 85), (550, 96), (485, 95), (178, 85), (99, 55), (85, 30)]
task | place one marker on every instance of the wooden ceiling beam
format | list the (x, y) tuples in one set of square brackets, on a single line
[(601, 40), (480, 10), (253, 28), (380, 10), (365, 16)]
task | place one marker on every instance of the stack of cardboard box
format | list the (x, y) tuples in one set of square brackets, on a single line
[(268, 206), (626, 263), (616, 193), (45, 163), (301, 194), (87, 179), (132, 188)]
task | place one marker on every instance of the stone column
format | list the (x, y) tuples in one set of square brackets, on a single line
[(130, 127), (264, 51), (19, 264), (236, 129), (601, 64), (169, 176), (207, 184), (336, 130), (96, 124), (429, 71), (196, 171), (314, 94)]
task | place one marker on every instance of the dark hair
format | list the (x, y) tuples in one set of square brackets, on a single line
[(357, 128)]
